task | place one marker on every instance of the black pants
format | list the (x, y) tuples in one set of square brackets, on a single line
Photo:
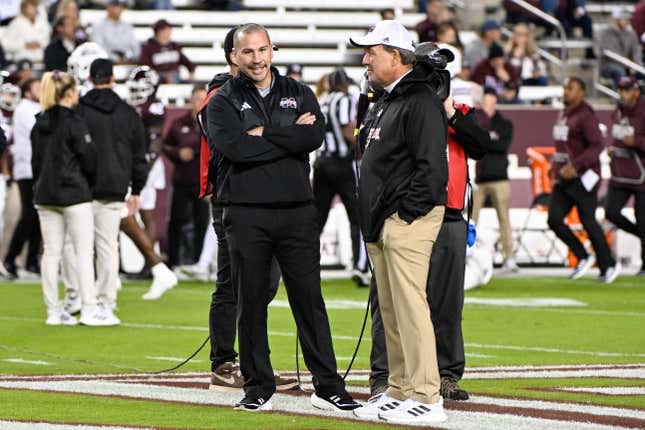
[(566, 195), (616, 199), (28, 227), (223, 310), (186, 207), (255, 235), (336, 176), (445, 293)]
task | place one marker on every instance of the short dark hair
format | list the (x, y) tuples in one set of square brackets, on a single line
[(197, 88), (248, 29), (407, 57), (579, 81), (383, 12), (491, 91), (26, 86)]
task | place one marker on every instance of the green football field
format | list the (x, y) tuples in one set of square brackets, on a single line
[(578, 344)]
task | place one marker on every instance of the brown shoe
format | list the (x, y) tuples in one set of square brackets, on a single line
[(450, 390), (283, 384), (227, 378)]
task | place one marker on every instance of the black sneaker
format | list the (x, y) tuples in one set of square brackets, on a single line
[(336, 402), (451, 390), (254, 404)]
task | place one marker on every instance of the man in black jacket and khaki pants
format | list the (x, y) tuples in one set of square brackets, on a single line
[(265, 125), (404, 173), (120, 142)]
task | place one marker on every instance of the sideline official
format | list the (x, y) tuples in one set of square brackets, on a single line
[(266, 125), (404, 173)]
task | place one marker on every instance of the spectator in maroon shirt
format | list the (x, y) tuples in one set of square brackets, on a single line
[(165, 56), (436, 14), (638, 22), (181, 145), (497, 72)]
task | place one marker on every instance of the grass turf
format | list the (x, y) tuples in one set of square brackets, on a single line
[(606, 330)]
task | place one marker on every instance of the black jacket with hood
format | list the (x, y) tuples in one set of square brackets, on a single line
[(120, 141), (271, 170), (494, 166), (63, 158), (404, 167)]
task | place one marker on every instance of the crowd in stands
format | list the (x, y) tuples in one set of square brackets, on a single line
[(40, 35)]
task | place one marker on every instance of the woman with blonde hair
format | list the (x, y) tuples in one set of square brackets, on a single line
[(522, 53), (62, 161)]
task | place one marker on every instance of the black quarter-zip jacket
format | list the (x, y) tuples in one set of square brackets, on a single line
[(404, 167), (273, 169)]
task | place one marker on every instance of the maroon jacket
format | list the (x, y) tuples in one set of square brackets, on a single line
[(164, 58), (638, 20), (628, 162), (484, 74), (583, 143), (184, 133), (427, 31)]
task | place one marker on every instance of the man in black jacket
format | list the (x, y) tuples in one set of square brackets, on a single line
[(225, 372), (61, 46), (119, 138), (266, 125), (492, 176), (445, 286), (404, 173)]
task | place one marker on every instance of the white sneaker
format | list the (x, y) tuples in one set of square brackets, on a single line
[(362, 279), (195, 271), (72, 304), (163, 279), (511, 265), (60, 317), (412, 412), (95, 316), (583, 267), (611, 274), (108, 313), (379, 403)]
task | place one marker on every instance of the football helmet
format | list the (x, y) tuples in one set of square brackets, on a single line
[(142, 84), (81, 58)]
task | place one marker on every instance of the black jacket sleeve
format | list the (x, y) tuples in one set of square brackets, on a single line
[(426, 139), (469, 134), (139, 164), (36, 152), (300, 139), (3, 141), (504, 129), (227, 136)]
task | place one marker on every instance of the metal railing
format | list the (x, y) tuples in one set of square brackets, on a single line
[(554, 22), (618, 59)]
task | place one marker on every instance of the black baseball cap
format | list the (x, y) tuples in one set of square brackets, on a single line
[(294, 68), (101, 68), (228, 44)]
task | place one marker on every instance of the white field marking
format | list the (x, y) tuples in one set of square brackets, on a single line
[(329, 304), (550, 374), (469, 354), (175, 359), (611, 391), (589, 312), (15, 425), (555, 350), (22, 361), (533, 302), (301, 404)]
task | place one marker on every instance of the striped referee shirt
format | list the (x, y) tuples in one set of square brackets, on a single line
[(339, 110)]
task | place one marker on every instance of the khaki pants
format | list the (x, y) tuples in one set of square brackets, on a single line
[(500, 195), (107, 219), (401, 265)]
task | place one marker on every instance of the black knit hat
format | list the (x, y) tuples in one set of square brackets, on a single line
[(495, 51)]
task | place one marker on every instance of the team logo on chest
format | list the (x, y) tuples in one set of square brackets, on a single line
[(288, 103)]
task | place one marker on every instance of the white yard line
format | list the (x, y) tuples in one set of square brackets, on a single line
[(173, 359), (301, 404), (555, 350), (15, 425), (611, 391), (23, 361)]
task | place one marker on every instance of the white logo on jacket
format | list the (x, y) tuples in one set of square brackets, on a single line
[(288, 103), (245, 106), (374, 134)]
